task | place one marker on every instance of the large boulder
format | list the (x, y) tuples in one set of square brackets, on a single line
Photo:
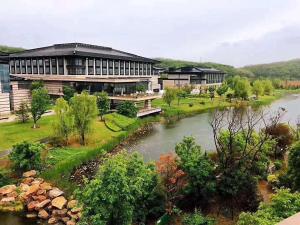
[(7, 189), (59, 202), (46, 186), (55, 192), (7, 200), (42, 204), (31, 173), (32, 189)]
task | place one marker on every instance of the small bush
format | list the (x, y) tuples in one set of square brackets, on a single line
[(202, 103), (26, 156), (278, 164), (196, 218), (4, 177), (273, 180), (191, 104), (127, 108)]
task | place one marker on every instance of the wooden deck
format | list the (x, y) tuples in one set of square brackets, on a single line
[(146, 112)]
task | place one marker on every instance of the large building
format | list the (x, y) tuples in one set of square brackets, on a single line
[(4, 85), (195, 76), (82, 66)]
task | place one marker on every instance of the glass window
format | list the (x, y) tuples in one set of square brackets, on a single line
[(104, 67), (131, 68), (91, 66), (54, 66), (136, 68), (122, 67), (47, 66), (98, 66), (34, 66), (41, 66), (12, 66), (141, 68), (23, 66), (148, 69), (126, 68), (145, 68), (18, 70), (61, 66), (116, 67), (110, 67), (29, 69)]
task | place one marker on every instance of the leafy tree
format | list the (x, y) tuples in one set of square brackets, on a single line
[(103, 103), (23, 112), (222, 89), (169, 95), (268, 87), (198, 168), (277, 83), (211, 90), (180, 94), (84, 108), (68, 92), (283, 205), (127, 108), (241, 87), (37, 85), (258, 88), (40, 102), (187, 88), (26, 156), (173, 180), (64, 119), (196, 218), (121, 189), (294, 167)]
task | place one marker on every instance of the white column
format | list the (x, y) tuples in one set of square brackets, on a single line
[(113, 63), (65, 66), (94, 62)]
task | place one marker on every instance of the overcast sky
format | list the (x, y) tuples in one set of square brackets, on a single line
[(235, 32)]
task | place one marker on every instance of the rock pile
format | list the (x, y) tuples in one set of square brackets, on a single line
[(40, 199)]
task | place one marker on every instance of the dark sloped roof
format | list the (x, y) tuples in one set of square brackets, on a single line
[(3, 57), (192, 69), (79, 49)]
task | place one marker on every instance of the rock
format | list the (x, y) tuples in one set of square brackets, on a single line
[(28, 180), (39, 198), (71, 222), (59, 202), (32, 189), (55, 192), (7, 200), (24, 187), (52, 220), (42, 204), (31, 215), (31, 205), (76, 210), (43, 214), (31, 173), (7, 189), (41, 192), (73, 216), (65, 219), (46, 186), (12, 194), (72, 204)]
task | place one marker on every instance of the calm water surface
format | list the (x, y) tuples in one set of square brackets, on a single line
[(164, 137)]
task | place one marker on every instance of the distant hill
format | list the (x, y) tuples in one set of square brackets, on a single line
[(288, 70), (8, 49), (230, 70)]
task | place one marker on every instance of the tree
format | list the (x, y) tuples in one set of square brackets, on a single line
[(258, 88), (68, 92), (169, 95), (40, 102), (103, 103), (196, 218), (211, 90), (173, 180), (268, 87), (84, 108), (294, 167), (64, 119), (127, 108), (26, 156), (241, 87), (198, 168), (277, 83), (121, 188), (37, 85), (222, 89), (23, 112), (180, 94)]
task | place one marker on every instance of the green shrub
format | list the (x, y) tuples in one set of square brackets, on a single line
[(196, 218), (278, 164), (26, 156), (4, 177), (191, 104), (127, 108)]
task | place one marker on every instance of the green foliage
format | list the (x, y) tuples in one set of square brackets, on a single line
[(68, 92), (283, 205), (222, 89), (196, 218), (141, 88), (40, 102), (26, 156), (268, 87), (169, 95), (4, 177), (180, 94), (103, 103), (23, 112), (258, 88), (37, 84), (241, 87), (64, 119), (199, 169), (211, 91), (119, 192), (294, 167), (128, 109), (8, 49), (84, 108), (117, 122)]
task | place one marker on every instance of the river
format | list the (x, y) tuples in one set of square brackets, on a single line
[(163, 137)]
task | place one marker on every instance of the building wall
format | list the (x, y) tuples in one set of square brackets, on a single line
[(20, 92), (4, 103), (54, 87)]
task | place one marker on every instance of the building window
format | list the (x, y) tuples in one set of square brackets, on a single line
[(12, 66), (148, 69), (61, 66), (126, 68), (132, 68), (98, 66), (141, 68), (116, 67), (122, 67), (110, 67), (41, 66), (54, 66), (18, 70), (34, 64), (47, 66), (29, 69), (104, 67), (136, 68), (76, 66), (145, 69), (23, 66), (91, 66)]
